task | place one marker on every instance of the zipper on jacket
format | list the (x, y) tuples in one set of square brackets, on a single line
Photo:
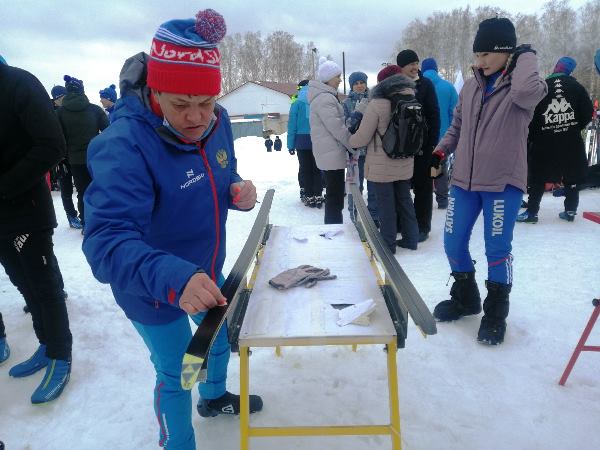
[(483, 100), (217, 221), (475, 139)]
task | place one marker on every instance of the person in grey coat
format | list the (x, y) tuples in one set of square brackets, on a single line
[(329, 136)]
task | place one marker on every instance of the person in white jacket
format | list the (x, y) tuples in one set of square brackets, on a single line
[(329, 135)]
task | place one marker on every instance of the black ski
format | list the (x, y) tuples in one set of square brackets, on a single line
[(400, 295), (196, 357)]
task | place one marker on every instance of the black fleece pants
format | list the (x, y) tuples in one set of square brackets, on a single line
[(30, 264), (536, 192), (66, 190), (334, 197), (309, 174), (82, 179), (422, 185)]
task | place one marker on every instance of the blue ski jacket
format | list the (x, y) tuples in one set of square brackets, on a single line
[(447, 99), (156, 208), (298, 123)]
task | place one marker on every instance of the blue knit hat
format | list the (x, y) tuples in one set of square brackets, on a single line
[(429, 64), (565, 65), (109, 93), (57, 92), (357, 76), (73, 84)]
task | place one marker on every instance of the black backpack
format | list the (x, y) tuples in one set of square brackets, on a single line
[(406, 132)]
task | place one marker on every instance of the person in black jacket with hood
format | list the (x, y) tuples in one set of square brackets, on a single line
[(32, 143), (556, 148), (422, 182), (81, 121)]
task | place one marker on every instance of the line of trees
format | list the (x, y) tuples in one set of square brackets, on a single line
[(557, 30), (278, 57)]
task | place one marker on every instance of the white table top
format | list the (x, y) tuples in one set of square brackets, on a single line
[(303, 316)]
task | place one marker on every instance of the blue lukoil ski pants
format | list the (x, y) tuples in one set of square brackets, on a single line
[(500, 211), (172, 404)]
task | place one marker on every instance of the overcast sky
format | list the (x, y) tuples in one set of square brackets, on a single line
[(90, 39)]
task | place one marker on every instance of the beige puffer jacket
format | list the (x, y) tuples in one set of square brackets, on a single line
[(379, 167)]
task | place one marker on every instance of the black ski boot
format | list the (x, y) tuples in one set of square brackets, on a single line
[(228, 403), (495, 308), (464, 299)]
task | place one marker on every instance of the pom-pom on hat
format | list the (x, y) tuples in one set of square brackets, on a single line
[(496, 35), (109, 93), (57, 92), (327, 70), (184, 58), (388, 71), (357, 76), (565, 65), (429, 64), (73, 85)]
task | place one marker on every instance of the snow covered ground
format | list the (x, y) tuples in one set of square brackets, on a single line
[(454, 393)]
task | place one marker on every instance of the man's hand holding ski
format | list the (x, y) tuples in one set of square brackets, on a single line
[(200, 294), (243, 194)]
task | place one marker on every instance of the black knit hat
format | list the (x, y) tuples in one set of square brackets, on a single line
[(495, 35), (406, 57)]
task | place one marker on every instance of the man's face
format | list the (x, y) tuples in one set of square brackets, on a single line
[(359, 87), (190, 115), (490, 63), (411, 70), (58, 101), (106, 103)]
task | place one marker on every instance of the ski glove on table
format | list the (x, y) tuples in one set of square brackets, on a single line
[(302, 275)]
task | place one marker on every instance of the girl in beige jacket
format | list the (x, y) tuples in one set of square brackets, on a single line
[(391, 177)]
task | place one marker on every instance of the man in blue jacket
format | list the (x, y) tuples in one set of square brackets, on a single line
[(447, 99), (164, 176)]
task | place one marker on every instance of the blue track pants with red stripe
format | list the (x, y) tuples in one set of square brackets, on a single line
[(500, 211)]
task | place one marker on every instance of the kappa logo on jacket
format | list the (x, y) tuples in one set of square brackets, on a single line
[(191, 179), (559, 112)]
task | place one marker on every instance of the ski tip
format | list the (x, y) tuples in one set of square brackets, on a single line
[(190, 370)]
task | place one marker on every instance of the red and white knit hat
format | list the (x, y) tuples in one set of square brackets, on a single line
[(184, 58)]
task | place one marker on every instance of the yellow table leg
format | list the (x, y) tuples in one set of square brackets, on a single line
[(393, 390), (278, 351), (354, 347), (244, 399)]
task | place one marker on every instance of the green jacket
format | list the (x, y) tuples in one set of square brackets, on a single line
[(81, 122)]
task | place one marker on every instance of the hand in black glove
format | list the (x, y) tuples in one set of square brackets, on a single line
[(60, 170), (523, 48), (355, 119), (436, 161), (292, 151)]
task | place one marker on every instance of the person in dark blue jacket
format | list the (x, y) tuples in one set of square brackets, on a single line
[(108, 98), (447, 98), (299, 143), (163, 178)]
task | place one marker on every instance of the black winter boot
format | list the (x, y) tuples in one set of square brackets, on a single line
[(495, 308), (464, 299), (228, 403)]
